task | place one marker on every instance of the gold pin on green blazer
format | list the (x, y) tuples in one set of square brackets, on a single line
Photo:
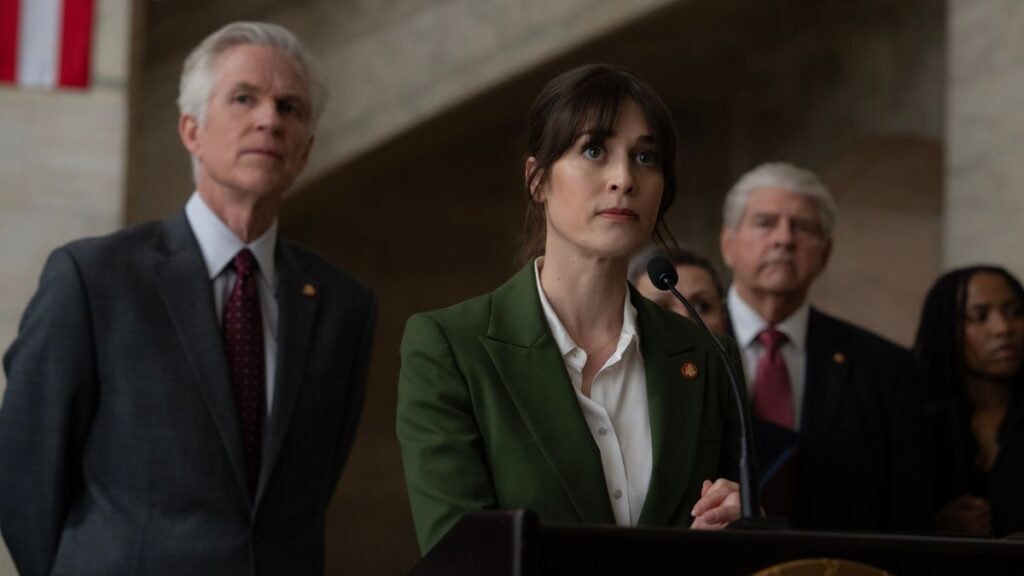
[(487, 415)]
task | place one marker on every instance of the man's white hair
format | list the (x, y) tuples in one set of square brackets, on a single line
[(780, 175), (198, 77)]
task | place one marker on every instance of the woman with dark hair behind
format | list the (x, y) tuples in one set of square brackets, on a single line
[(698, 283), (969, 354), (564, 391)]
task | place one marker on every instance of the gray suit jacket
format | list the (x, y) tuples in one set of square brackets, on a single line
[(120, 450)]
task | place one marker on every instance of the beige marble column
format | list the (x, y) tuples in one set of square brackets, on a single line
[(984, 197)]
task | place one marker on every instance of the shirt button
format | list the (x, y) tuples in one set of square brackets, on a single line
[(617, 494), (602, 430)]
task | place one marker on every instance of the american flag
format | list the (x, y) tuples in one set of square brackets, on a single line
[(45, 43)]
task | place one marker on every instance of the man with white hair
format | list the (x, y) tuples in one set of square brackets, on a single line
[(830, 400), (182, 395)]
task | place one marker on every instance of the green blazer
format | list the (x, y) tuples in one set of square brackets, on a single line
[(487, 416)]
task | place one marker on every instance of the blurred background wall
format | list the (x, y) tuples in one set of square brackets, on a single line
[(906, 108)]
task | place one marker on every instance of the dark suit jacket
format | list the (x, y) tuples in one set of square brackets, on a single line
[(859, 456), (120, 450), (487, 415)]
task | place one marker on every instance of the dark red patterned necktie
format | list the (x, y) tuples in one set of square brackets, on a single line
[(773, 392), (243, 343)]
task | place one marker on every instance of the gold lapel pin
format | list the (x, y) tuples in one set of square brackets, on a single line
[(689, 370), (839, 358), (308, 290)]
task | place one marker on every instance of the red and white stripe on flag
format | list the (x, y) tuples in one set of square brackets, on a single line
[(45, 43)]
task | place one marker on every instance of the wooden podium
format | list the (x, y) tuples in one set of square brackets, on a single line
[(514, 543)]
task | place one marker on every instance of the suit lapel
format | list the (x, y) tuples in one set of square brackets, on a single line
[(828, 370), (297, 307), (183, 282), (675, 403), (527, 360)]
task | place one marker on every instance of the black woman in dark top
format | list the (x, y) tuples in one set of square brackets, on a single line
[(969, 354)]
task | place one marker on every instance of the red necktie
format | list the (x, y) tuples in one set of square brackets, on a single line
[(773, 393), (243, 343)]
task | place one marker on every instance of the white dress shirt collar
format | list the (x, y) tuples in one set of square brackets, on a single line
[(219, 244), (565, 343), (747, 323)]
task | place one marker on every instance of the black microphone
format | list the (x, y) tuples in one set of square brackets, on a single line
[(664, 277)]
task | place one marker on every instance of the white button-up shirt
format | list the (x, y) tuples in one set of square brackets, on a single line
[(616, 411), (219, 245), (747, 324)]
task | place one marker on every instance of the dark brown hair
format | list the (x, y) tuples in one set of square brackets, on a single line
[(940, 342), (587, 99)]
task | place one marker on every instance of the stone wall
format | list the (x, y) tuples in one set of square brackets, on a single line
[(984, 197)]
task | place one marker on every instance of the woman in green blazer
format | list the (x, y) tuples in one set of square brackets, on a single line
[(564, 390)]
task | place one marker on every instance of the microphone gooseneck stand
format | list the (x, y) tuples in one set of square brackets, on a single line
[(663, 276)]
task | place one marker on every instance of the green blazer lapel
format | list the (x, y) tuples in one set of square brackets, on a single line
[(527, 360), (675, 403)]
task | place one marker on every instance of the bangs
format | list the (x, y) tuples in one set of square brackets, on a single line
[(593, 114), (594, 109)]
